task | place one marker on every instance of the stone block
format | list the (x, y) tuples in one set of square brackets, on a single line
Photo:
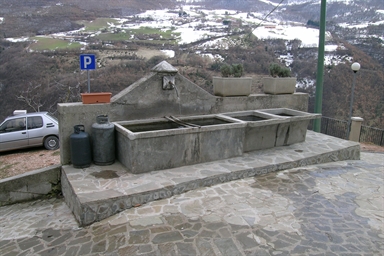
[(149, 145), (354, 135), (71, 114), (279, 85), (42, 188), (232, 86), (261, 129), (20, 196), (295, 130)]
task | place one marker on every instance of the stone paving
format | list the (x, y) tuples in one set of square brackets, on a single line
[(326, 209)]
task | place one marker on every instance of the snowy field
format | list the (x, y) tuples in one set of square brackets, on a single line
[(201, 24)]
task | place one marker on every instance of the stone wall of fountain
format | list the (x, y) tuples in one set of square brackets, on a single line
[(164, 92)]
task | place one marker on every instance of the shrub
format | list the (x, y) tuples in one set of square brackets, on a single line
[(215, 66), (276, 70), (238, 70), (226, 70), (235, 70)]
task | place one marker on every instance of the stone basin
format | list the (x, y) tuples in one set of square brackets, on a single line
[(157, 144), (293, 131), (169, 142), (261, 129), (160, 125)]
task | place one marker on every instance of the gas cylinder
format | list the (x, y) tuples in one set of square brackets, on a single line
[(80, 143), (103, 141)]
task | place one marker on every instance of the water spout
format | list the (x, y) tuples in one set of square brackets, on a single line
[(177, 91), (178, 97)]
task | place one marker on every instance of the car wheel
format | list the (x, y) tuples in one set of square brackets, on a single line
[(51, 143)]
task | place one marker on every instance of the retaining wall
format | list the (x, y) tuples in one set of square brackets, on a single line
[(30, 186)]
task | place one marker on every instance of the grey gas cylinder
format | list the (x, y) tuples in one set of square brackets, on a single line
[(80, 144), (103, 141)]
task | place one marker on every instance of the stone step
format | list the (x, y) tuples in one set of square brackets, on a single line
[(97, 192)]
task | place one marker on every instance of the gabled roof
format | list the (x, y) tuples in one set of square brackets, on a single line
[(164, 67)]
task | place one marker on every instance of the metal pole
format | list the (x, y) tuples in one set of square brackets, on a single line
[(89, 83), (320, 67), (351, 105)]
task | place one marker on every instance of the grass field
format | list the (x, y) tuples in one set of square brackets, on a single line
[(98, 24), (114, 36), (128, 34), (45, 43), (151, 35)]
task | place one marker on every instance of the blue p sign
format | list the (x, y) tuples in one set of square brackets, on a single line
[(87, 61)]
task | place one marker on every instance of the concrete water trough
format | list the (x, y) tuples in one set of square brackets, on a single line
[(169, 142), (162, 143), (293, 131), (261, 129)]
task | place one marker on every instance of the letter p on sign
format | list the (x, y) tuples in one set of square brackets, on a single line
[(87, 61)]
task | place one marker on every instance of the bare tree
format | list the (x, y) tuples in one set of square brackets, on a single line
[(31, 96)]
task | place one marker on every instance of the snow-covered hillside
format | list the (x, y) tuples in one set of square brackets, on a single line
[(198, 23), (192, 22)]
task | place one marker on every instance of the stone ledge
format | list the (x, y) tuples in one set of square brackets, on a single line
[(30, 185)]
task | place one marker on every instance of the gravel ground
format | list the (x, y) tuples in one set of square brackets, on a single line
[(17, 162), (20, 161), (371, 148)]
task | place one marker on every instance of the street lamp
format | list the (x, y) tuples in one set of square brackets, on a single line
[(355, 67)]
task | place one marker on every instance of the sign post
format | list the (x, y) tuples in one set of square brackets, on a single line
[(88, 62)]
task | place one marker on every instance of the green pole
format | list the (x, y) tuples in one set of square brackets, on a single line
[(320, 68)]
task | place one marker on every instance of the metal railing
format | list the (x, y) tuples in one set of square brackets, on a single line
[(338, 128), (372, 135), (332, 126)]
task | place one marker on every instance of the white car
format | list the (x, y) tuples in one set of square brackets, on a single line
[(24, 130)]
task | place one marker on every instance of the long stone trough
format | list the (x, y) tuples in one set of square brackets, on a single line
[(169, 142), (156, 144)]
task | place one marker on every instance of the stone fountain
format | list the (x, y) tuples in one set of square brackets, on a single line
[(173, 136)]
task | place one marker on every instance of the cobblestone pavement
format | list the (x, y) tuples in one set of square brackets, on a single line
[(326, 209)]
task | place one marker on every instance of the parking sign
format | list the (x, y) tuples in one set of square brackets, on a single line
[(87, 61)]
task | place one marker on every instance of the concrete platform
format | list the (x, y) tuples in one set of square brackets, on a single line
[(98, 192)]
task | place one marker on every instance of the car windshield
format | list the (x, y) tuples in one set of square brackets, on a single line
[(3, 126)]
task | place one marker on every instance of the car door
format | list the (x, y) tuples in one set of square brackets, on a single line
[(35, 130), (13, 134)]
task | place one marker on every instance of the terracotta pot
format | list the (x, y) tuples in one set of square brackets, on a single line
[(96, 97)]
